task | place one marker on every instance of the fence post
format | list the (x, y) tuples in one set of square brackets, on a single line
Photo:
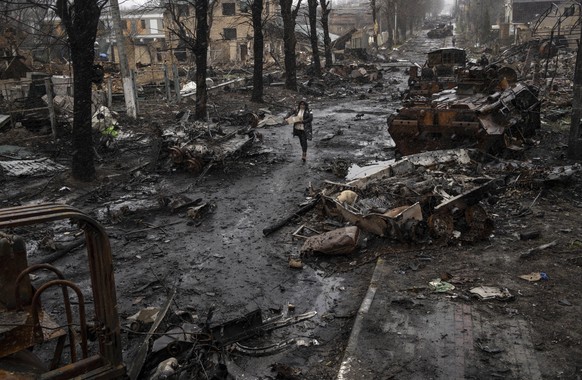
[(51, 106), (176, 82), (167, 83)]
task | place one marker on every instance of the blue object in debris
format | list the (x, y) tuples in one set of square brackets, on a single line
[(544, 276)]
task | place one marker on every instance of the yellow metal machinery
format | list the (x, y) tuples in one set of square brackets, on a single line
[(25, 325)]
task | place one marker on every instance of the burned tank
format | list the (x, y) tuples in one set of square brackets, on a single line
[(441, 31), (453, 103), (438, 73), (491, 123)]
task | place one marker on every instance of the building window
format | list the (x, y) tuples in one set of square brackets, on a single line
[(228, 9), (245, 6), (229, 33), (142, 23)]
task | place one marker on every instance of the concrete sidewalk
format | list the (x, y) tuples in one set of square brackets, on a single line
[(402, 333)]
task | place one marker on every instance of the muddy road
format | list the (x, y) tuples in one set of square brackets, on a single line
[(220, 260)]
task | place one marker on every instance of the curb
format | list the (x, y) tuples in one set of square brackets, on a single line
[(351, 348)]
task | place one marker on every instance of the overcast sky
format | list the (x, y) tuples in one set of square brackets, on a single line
[(132, 3)]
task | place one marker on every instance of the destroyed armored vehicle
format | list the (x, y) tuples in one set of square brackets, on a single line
[(453, 103), (438, 73), (491, 123), (442, 31), (448, 68)]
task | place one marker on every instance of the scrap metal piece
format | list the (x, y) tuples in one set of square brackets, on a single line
[(264, 351), (479, 223), (194, 165), (441, 225), (491, 292), (140, 357)]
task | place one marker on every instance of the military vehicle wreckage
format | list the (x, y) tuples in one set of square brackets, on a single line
[(453, 105)]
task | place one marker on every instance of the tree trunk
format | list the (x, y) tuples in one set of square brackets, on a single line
[(289, 42), (201, 51), (312, 6), (374, 23), (258, 47), (390, 27), (575, 138), (80, 22), (325, 10), (83, 166)]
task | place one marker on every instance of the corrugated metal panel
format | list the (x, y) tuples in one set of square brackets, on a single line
[(39, 167)]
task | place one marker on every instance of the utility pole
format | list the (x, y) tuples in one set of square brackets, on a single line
[(575, 140), (128, 89), (375, 23)]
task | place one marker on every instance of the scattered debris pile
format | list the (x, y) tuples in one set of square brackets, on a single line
[(434, 194), (196, 349)]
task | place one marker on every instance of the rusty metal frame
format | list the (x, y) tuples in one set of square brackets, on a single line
[(68, 311), (108, 363)]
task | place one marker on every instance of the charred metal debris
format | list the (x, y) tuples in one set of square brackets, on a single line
[(438, 197), (197, 146)]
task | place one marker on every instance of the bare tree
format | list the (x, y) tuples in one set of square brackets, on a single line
[(386, 8), (80, 19), (289, 15), (195, 37), (201, 52), (575, 138), (325, 11), (258, 48), (375, 21), (313, 37)]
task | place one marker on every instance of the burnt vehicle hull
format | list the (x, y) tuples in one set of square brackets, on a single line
[(441, 31), (438, 73), (491, 123)]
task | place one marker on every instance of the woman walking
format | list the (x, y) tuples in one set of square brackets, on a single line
[(301, 119)]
